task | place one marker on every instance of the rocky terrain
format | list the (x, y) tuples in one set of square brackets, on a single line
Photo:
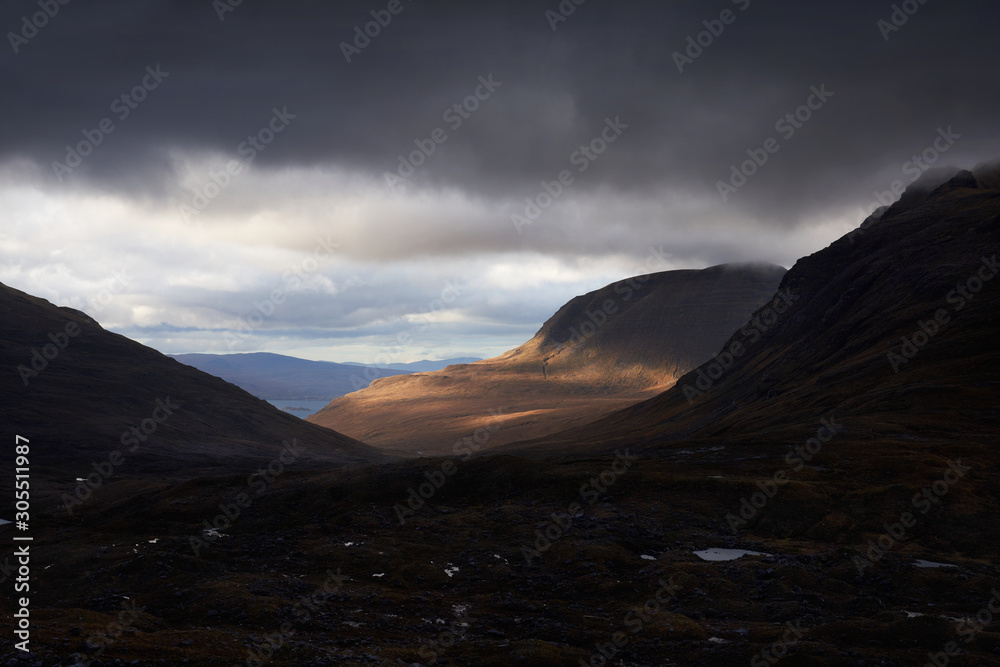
[(494, 570)]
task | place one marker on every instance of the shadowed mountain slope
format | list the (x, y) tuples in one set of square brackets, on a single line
[(76, 391), (894, 333), (600, 352)]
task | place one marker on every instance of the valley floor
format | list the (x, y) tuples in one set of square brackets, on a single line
[(513, 561)]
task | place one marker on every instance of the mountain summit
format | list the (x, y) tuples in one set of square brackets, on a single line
[(894, 333), (600, 352)]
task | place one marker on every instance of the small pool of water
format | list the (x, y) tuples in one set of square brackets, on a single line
[(930, 563), (726, 554)]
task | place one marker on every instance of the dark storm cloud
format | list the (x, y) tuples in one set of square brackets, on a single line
[(608, 59), (209, 83)]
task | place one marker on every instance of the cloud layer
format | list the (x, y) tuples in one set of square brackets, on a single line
[(225, 143)]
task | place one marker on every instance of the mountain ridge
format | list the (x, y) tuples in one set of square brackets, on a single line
[(610, 347), (80, 391), (850, 294)]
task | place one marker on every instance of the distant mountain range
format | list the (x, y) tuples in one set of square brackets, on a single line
[(600, 352), (276, 376)]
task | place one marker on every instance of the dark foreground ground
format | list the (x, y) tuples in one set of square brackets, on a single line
[(319, 569)]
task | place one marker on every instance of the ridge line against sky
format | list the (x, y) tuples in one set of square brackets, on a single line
[(311, 179)]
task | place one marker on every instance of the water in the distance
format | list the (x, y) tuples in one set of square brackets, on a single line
[(298, 406)]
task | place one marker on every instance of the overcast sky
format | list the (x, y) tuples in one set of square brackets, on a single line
[(351, 195)]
